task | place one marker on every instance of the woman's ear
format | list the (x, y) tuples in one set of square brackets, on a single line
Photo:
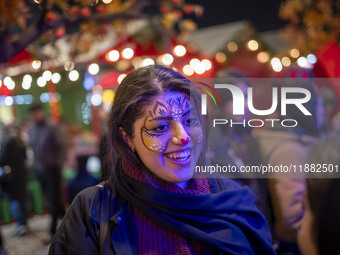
[(127, 139)]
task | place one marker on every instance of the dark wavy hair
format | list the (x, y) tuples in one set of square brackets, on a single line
[(323, 195), (136, 92)]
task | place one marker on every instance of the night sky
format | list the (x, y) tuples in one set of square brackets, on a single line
[(262, 14)]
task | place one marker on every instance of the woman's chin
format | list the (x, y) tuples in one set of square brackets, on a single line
[(185, 176)]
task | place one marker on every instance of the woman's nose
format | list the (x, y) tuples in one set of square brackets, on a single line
[(181, 136)]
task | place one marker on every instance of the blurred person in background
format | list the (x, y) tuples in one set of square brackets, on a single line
[(319, 233), (13, 154), (49, 151), (82, 180), (2, 248), (235, 144), (289, 145)]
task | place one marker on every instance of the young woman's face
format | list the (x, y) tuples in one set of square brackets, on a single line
[(169, 136)]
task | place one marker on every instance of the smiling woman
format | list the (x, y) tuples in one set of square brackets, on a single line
[(154, 203), (162, 137)]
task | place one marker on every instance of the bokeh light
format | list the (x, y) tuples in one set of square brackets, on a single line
[(73, 75), (47, 75), (56, 78), (108, 96), (302, 62), (188, 70), (148, 62), (36, 64), (232, 46), (113, 55), (121, 78), (253, 45), (295, 53), (276, 64), (180, 50), (220, 57), (207, 64), (93, 68), (167, 59), (41, 82), (286, 61), (263, 57), (127, 53)]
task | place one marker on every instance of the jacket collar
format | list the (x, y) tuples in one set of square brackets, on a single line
[(123, 238), (107, 201)]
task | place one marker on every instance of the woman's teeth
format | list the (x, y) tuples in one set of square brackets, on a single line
[(179, 155)]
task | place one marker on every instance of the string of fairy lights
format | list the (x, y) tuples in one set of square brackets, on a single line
[(275, 63), (125, 57), (98, 96)]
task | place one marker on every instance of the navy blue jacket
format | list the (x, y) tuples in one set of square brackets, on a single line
[(79, 232)]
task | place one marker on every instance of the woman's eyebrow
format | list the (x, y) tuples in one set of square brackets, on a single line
[(162, 118), (188, 111), (169, 117)]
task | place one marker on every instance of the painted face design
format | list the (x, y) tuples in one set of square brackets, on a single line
[(168, 139), (156, 133)]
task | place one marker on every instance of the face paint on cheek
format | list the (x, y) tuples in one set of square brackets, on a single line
[(155, 143)]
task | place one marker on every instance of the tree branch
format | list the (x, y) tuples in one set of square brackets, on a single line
[(10, 49)]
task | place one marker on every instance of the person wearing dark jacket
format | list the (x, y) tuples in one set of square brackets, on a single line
[(49, 151), (154, 202), (13, 155), (82, 180)]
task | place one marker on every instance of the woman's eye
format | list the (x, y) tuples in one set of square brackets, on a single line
[(160, 128), (191, 122)]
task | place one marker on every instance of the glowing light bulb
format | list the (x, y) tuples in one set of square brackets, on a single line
[(96, 99), (128, 53), (73, 75), (286, 61), (232, 46), (311, 58), (295, 53), (47, 75), (253, 45), (36, 64), (276, 64), (302, 62), (56, 78), (167, 59), (188, 70), (41, 82), (194, 62), (263, 57), (180, 50), (220, 57), (93, 68), (121, 78), (113, 55), (27, 78), (207, 64), (148, 62)]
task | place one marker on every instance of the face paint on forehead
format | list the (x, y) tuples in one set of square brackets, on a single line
[(172, 107)]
